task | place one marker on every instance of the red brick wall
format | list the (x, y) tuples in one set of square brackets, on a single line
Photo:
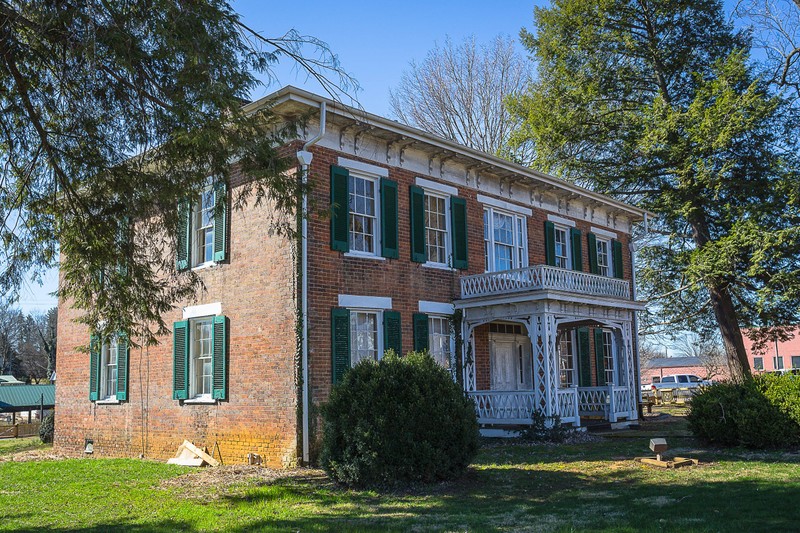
[(406, 282), (256, 290)]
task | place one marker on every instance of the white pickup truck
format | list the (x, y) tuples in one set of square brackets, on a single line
[(675, 381)]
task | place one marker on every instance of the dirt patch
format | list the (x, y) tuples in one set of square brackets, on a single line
[(223, 480), (33, 455)]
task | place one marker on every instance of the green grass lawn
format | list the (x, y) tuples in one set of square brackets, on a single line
[(512, 486), (10, 446)]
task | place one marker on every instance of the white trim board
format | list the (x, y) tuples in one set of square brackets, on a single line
[(364, 302), (437, 187), (501, 204), (195, 311), (363, 167), (436, 308), (561, 220), (603, 232)]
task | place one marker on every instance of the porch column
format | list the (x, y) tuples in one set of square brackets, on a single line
[(630, 370), (542, 332), (468, 356)]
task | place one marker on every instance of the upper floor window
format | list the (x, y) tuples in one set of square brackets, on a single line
[(505, 240), (562, 242), (604, 257), (203, 224), (437, 229), (364, 213)]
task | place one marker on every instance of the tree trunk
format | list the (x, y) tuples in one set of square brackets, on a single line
[(724, 311)]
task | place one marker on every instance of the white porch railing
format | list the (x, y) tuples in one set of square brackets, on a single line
[(516, 407), (543, 277), (611, 402)]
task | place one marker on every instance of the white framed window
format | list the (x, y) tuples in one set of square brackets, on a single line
[(364, 214), (608, 356), (796, 361), (505, 240), (777, 362), (366, 335), (566, 358), (201, 353), (203, 227), (758, 363), (562, 247), (604, 257), (109, 369), (440, 339), (437, 228)]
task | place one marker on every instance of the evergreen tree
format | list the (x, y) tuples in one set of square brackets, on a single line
[(115, 111), (655, 102)]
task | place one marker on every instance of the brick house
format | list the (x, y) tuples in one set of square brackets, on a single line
[(518, 282)]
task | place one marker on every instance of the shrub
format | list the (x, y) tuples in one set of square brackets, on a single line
[(47, 427), (755, 414), (398, 420), (546, 429)]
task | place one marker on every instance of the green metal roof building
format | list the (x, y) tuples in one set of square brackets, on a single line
[(16, 398)]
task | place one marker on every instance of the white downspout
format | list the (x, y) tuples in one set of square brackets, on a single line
[(305, 157)]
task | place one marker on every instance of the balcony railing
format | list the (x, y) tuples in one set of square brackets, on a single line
[(542, 277)]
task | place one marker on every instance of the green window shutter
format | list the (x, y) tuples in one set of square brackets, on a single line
[(184, 236), (389, 240), (418, 252), (599, 358), (458, 213), (340, 343), (340, 209), (421, 332), (180, 360), (94, 367), (123, 355), (591, 240), (549, 243), (616, 248), (221, 221), (219, 360), (392, 333), (584, 359), (577, 251)]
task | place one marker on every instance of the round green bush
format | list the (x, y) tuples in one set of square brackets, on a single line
[(757, 413), (397, 421), (47, 428)]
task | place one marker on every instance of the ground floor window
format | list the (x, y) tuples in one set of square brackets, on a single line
[(440, 339), (201, 353), (608, 356), (758, 363), (108, 381), (777, 362), (566, 359), (364, 336), (796, 361)]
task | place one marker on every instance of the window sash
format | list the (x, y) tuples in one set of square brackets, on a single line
[(364, 215), (440, 340), (566, 360), (777, 362), (505, 240), (437, 229), (604, 257), (758, 363), (365, 336), (201, 354), (203, 222), (562, 246), (608, 356), (796, 361), (108, 380)]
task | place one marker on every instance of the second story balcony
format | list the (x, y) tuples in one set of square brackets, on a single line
[(543, 278)]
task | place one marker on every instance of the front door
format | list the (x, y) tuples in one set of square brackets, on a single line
[(510, 362)]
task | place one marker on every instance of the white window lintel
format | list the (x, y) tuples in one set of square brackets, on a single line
[(364, 302), (435, 308), (603, 232), (561, 220), (502, 204), (195, 311), (363, 167), (436, 187)]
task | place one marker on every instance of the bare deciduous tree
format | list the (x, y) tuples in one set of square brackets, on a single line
[(458, 92), (708, 351), (776, 30)]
